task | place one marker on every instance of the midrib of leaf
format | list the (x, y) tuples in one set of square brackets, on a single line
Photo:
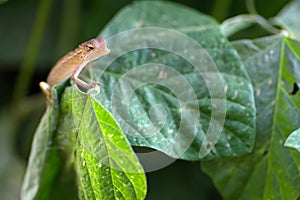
[(106, 146), (279, 91), (110, 160), (270, 171), (109, 149), (77, 147)]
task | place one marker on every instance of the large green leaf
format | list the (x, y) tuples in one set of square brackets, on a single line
[(139, 86), (288, 18), (42, 164), (106, 166), (47, 159), (272, 170)]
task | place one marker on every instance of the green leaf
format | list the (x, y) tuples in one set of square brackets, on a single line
[(106, 166), (271, 171), (42, 164), (145, 97), (293, 140), (288, 18)]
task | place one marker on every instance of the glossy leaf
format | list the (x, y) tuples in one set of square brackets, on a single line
[(271, 171), (156, 85), (106, 166)]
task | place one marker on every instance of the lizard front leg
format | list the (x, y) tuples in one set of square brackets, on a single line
[(80, 82)]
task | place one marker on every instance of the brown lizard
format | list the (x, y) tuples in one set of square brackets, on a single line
[(73, 63)]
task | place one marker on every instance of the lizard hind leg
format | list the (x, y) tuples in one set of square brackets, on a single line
[(85, 85), (80, 82)]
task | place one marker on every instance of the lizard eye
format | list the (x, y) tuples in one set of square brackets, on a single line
[(90, 46)]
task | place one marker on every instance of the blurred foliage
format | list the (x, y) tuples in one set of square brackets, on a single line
[(70, 22)]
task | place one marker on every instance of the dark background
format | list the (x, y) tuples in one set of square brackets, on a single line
[(33, 35)]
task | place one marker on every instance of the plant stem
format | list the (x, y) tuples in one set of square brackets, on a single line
[(221, 9), (251, 7), (29, 61), (68, 26)]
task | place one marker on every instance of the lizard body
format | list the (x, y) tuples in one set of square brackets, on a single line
[(72, 64)]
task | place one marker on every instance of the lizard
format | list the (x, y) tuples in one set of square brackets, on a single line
[(70, 65)]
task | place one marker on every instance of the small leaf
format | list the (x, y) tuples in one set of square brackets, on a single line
[(289, 19), (271, 171), (293, 140), (106, 166)]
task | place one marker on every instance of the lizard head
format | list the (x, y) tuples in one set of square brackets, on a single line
[(94, 48)]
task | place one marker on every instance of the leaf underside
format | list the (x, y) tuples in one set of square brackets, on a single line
[(43, 163)]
